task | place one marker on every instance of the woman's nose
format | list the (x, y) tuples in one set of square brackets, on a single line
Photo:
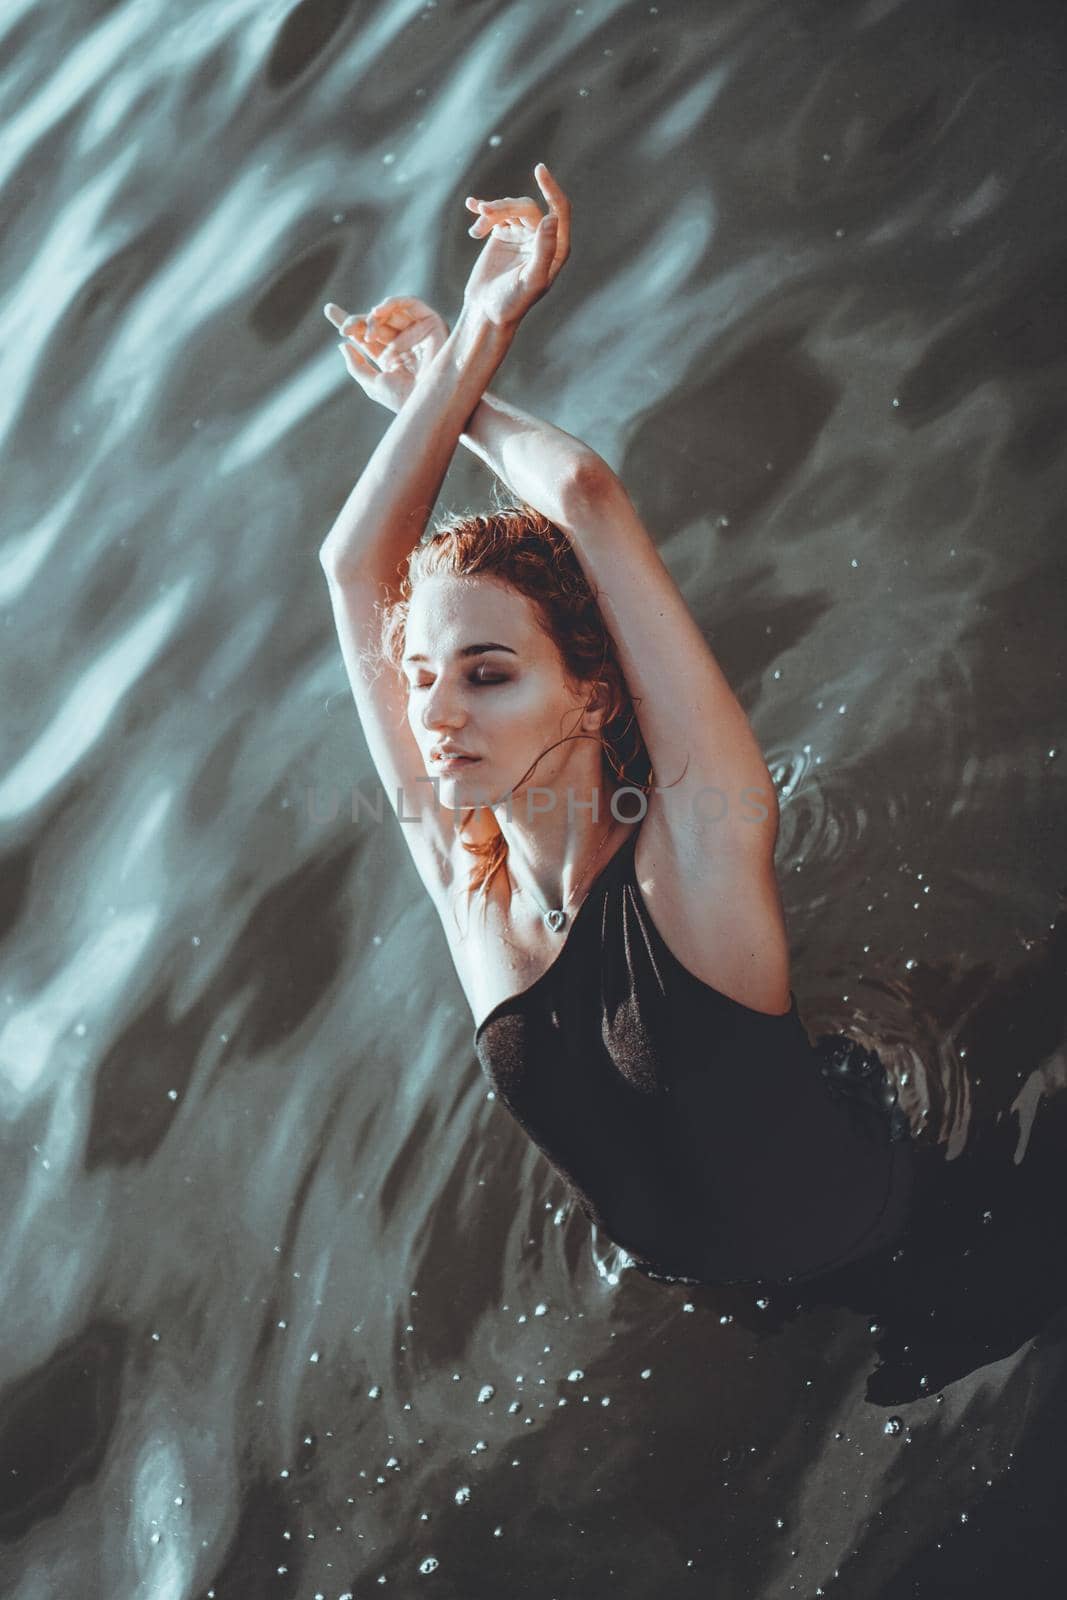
[(440, 708)]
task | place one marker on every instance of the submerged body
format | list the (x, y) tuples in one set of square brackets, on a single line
[(698, 1133)]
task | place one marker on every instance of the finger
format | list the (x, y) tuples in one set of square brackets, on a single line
[(386, 325), (505, 219), (484, 225), (522, 204), (547, 183), (357, 364), (545, 249), (557, 200), (394, 311), (396, 304), (372, 337), (354, 332), (359, 333), (366, 352), (354, 329)]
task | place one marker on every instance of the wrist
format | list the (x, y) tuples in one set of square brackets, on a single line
[(476, 339)]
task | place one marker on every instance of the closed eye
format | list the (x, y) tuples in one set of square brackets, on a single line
[(480, 681)]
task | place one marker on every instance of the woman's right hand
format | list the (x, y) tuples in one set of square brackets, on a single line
[(387, 350), (524, 251)]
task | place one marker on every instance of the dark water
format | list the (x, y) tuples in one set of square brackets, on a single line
[(289, 1307)]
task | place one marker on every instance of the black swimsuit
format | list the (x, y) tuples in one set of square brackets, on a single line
[(701, 1135)]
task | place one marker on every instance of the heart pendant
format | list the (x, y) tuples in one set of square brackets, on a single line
[(555, 920)]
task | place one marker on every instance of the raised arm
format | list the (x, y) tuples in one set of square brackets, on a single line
[(391, 352), (712, 820), (389, 507), (402, 335), (535, 459)]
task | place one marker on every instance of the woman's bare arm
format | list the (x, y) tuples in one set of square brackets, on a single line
[(386, 512), (536, 460), (390, 352), (523, 252)]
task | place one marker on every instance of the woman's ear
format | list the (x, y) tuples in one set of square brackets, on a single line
[(602, 704)]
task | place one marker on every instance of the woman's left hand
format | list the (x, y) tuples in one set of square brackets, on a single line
[(523, 254), (388, 349)]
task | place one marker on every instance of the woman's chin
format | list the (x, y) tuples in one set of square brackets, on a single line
[(465, 786)]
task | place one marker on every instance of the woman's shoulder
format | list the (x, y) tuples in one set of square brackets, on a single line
[(719, 914)]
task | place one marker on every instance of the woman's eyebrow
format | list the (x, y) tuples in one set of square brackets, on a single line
[(472, 650)]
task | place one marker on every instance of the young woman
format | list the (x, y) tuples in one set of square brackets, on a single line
[(562, 747)]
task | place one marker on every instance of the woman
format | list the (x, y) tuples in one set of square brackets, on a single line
[(522, 678)]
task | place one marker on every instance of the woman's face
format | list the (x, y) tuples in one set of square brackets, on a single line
[(501, 705)]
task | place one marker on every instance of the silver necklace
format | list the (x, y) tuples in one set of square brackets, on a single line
[(556, 920)]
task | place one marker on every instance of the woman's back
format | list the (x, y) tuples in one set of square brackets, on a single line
[(698, 1133)]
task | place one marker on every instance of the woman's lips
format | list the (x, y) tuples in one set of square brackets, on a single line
[(455, 763)]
